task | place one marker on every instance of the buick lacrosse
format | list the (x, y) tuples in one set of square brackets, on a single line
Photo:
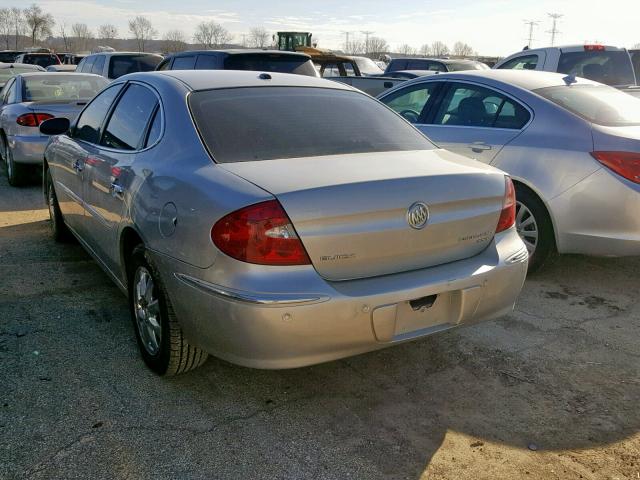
[(277, 220)]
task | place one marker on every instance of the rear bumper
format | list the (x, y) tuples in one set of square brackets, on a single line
[(599, 216), (287, 329), (28, 149)]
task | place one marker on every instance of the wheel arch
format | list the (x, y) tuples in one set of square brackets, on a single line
[(518, 182), (129, 239)]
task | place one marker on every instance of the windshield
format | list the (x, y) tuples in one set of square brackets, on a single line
[(599, 104), (367, 66), (460, 66), (266, 123), (271, 63), (608, 67), (123, 64), (42, 60), (7, 73), (61, 87)]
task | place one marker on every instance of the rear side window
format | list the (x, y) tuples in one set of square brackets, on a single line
[(184, 63), (155, 129), (599, 104), (608, 67), (397, 65), (271, 63), (123, 64), (91, 118), (523, 62), (128, 122), (266, 123), (207, 62), (98, 65)]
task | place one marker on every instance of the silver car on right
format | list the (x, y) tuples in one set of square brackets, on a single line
[(571, 146)]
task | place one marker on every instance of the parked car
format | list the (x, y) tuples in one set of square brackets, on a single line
[(238, 59), (41, 59), (635, 61), (10, 70), (572, 147), (433, 64), (411, 74), (71, 58), (112, 65), (278, 220), (600, 63), (9, 56), (26, 101), (61, 68)]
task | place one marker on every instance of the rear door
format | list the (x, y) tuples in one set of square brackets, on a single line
[(473, 120), (108, 166)]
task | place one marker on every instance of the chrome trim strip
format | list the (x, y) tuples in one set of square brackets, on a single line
[(262, 299)]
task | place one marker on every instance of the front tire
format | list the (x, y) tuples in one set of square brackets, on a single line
[(160, 339), (17, 173), (534, 226)]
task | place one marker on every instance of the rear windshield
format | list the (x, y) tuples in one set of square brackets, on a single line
[(266, 123), (42, 60), (8, 57), (397, 65), (608, 67), (367, 66), (271, 63), (60, 86), (460, 66), (598, 104), (123, 64), (7, 73)]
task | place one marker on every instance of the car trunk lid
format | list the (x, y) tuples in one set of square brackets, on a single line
[(351, 211)]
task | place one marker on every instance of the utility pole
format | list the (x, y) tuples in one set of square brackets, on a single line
[(346, 43), (554, 30), (531, 24), (366, 34)]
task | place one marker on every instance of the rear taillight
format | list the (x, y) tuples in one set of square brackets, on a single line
[(625, 164), (261, 234), (508, 213), (594, 48), (32, 119)]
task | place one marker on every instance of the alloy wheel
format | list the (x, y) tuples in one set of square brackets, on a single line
[(147, 311), (527, 227)]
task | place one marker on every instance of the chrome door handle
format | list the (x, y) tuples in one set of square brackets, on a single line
[(116, 190), (479, 147), (77, 166)]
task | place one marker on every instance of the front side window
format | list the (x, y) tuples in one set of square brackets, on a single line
[(128, 123), (475, 106), (88, 64), (267, 123), (98, 65), (410, 102), (88, 126), (523, 62)]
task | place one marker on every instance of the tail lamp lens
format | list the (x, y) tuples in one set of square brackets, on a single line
[(32, 119), (625, 164), (508, 213), (260, 234)]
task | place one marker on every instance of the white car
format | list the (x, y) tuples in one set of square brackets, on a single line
[(600, 63)]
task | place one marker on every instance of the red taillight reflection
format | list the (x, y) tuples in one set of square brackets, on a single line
[(32, 119), (508, 213), (261, 234), (594, 48), (625, 164)]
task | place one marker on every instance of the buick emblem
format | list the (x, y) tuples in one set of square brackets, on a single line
[(418, 215)]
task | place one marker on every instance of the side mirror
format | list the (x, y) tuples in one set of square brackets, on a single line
[(55, 126)]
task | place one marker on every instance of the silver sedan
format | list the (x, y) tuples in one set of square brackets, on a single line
[(572, 147), (26, 101), (278, 220)]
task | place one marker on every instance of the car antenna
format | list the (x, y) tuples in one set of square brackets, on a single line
[(570, 79)]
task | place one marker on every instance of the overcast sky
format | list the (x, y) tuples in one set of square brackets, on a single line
[(492, 27)]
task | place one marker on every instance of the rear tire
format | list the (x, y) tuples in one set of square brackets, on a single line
[(59, 230), (17, 173), (534, 226), (160, 339)]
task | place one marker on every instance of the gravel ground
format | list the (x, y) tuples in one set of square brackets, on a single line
[(550, 391)]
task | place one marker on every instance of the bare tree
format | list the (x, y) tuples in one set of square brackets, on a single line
[(211, 35), (406, 49), (425, 50), (5, 26), (107, 32), (82, 36), (259, 37), (66, 40), (439, 49), (174, 41), (355, 46), (636, 46), (18, 25), (142, 30), (377, 46), (462, 49), (40, 23)]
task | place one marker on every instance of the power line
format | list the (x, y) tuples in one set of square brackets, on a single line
[(346, 43), (532, 24), (366, 34), (554, 30)]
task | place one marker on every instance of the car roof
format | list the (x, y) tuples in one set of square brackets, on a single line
[(28, 66), (239, 51), (213, 79), (121, 53), (56, 74), (566, 48), (443, 60), (524, 79)]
